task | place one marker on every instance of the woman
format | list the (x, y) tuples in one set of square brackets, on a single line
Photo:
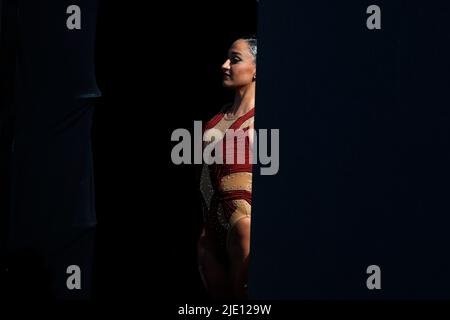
[(224, 245)]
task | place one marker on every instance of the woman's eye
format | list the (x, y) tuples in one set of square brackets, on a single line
[(234, 60)]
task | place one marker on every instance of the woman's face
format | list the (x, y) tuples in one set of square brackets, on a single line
[(239, 69)]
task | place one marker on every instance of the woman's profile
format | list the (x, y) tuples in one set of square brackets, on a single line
[(224, 244)]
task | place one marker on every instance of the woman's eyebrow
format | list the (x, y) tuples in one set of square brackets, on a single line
[(235, 53)]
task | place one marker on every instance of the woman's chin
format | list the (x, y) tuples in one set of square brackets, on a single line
[(227, 84)]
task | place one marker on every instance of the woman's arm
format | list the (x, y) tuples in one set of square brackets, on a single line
[(238, 251)]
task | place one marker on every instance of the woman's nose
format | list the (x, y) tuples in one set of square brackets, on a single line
[(226, 65)]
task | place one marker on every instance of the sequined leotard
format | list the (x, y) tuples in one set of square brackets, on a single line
[(227, 186)]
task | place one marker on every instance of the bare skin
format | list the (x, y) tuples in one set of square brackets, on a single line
[(238, 251), (240, 74), (222, 282), (215, 275), (231, 282)]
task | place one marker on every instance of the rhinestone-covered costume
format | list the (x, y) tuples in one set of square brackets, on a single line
[(227, 186)]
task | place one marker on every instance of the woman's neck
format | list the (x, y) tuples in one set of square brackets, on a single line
[(244, 100)]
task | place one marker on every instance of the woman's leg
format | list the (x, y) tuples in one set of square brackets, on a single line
[(238, 251), (213, 272)]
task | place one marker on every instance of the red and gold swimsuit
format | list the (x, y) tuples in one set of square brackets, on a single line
[(227, 187)]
